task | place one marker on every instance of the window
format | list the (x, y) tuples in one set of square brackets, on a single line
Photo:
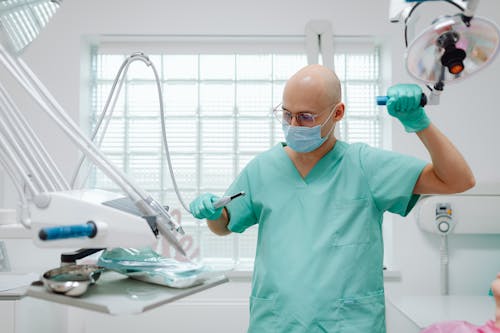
[(218, 97)]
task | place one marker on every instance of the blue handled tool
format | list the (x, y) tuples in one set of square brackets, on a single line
[(88, 229), (382, 100)]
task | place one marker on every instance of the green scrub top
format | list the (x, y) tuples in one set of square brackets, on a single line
[(319, 259)]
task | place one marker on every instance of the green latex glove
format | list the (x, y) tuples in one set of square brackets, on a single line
[(203, 207), (404, 104)]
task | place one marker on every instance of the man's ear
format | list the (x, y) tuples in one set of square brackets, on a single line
[(339, 112)]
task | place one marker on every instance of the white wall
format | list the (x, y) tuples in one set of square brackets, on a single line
[(468, 114)]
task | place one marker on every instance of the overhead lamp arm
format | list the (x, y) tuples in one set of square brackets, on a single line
[(319, 40), (399, 10), (469, 11), (471, 7)]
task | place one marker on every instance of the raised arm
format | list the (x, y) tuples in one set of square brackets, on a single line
[(448, 172)]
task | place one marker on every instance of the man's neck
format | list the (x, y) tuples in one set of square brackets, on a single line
[(304, 162)]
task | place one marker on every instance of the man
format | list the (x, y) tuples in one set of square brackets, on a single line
[(319, 204)]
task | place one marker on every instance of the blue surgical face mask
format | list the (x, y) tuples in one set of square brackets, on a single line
[(304, 139)]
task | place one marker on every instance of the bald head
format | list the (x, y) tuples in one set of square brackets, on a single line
[(312, 85)]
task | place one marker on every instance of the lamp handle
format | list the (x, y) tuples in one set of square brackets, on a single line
[(382, 100)]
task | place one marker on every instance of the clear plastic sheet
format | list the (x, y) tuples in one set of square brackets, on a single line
[(148, 266)]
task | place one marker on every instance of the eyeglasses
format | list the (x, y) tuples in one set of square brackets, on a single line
[(303, 118)]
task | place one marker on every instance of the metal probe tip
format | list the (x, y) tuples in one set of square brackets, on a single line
[(237, 195)]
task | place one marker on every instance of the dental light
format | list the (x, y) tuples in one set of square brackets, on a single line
[(22, 20), (59, 214), (451, 49)]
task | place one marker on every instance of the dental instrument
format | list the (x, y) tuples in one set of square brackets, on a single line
[(46, 199), (227, 199)]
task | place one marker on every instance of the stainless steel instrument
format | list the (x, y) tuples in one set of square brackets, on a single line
[(71, 280)]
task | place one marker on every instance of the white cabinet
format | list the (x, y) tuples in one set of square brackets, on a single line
[(411, 314), (7, 316)]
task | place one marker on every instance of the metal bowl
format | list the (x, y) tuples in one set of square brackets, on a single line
[(71, 280)]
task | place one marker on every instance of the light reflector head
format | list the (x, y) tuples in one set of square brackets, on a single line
[(22, 20), (449, 50)]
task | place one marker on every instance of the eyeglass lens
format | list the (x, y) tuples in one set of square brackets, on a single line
[(302, 118)]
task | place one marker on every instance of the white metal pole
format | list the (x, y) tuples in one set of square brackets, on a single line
[(24, 160), (23, 212), (38, 148), (12, 157), (444, 260), (20, 135)]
